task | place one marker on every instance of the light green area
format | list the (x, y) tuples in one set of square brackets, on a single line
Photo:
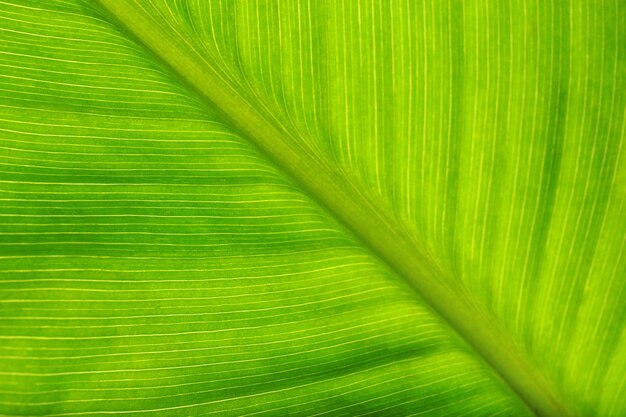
[(433, 224)]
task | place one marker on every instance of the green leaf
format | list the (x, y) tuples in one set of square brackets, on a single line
[(312, 208)]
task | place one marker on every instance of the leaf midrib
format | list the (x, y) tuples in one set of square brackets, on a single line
[(383, 234)]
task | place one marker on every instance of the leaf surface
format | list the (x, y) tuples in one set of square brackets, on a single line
[(302, 208)]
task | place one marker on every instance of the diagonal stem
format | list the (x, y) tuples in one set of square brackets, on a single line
[(357, 210)]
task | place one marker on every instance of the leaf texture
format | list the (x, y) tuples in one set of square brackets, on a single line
[(154, 260)]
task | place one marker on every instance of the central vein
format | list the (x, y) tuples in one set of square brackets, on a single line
[(359, 212)]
